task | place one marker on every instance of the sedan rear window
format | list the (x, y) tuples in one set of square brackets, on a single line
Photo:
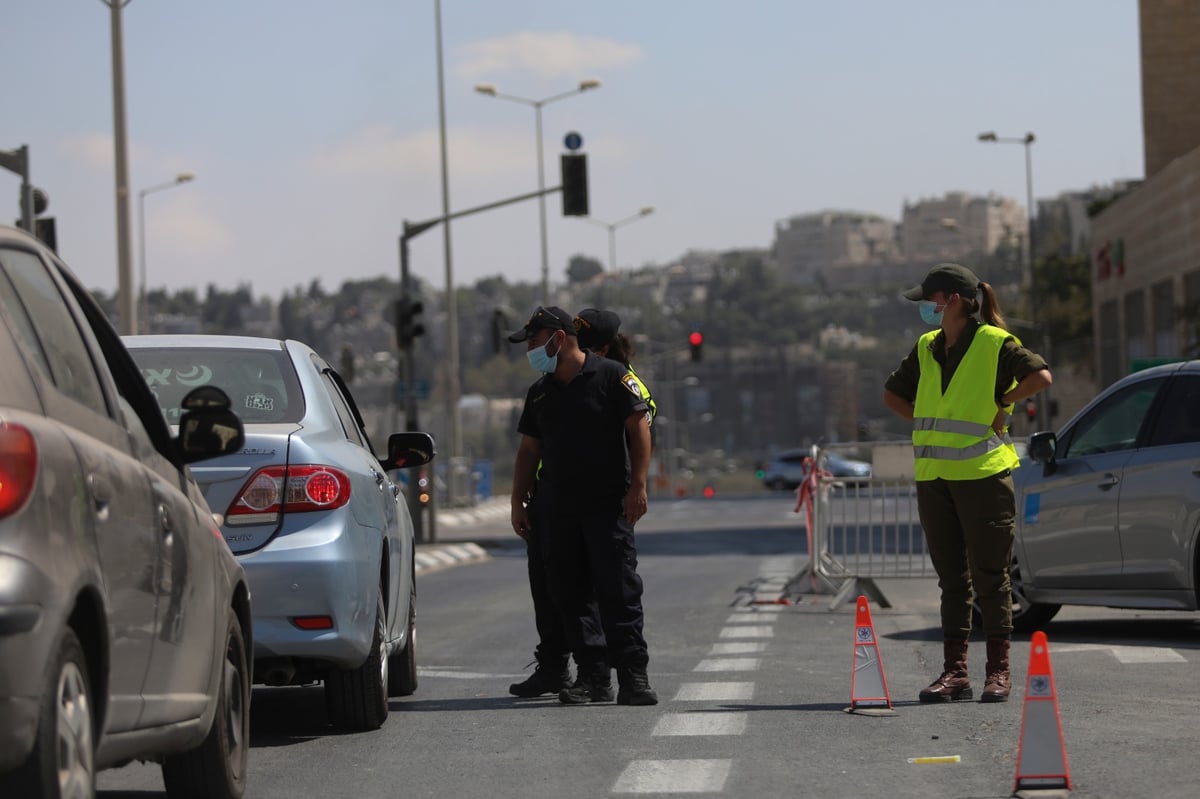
[(261, 384)]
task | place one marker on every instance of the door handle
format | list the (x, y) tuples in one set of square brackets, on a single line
[(1109, 481)]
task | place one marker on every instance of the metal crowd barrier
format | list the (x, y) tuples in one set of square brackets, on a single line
[(863, 528)]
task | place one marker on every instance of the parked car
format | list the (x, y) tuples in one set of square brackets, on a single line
[(125, 622), (785, 470), (312, 514), (1108, 511)]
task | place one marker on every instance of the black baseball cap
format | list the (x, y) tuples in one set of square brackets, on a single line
[(948, 278), (596, 328), (545, 317)]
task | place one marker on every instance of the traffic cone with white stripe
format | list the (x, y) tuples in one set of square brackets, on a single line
[(868, 685), (1041, 755)]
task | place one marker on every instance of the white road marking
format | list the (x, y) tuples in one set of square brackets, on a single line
[(747, 632), (752, 609), (1125, 654), (705, 723), (464, 675), (738, 648), (673, 776), (715, 692), (727, 664)]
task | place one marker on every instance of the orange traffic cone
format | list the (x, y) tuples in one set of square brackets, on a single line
[(1041, 755), (868, 686)]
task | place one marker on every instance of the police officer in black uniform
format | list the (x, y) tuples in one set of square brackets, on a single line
[(576, 423)]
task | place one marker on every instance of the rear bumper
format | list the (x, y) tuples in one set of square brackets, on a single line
[(28, 608), (329, 569)]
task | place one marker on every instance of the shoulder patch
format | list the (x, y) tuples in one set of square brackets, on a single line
[(631, 383)]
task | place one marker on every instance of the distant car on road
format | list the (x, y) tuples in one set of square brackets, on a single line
[(1108, 512), (125, 622), (785, 470), (312, 514)]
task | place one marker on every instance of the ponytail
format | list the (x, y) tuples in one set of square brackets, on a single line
[(989, 311)]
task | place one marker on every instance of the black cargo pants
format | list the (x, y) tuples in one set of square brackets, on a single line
[(969, 528)]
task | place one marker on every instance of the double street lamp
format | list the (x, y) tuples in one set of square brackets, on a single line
[(612, 232), (490, 91), (182, 177)]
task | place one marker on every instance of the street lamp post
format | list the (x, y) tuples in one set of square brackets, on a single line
[(1041, 400), (142, 319), (490, 91), (126, 309), (612, 232)]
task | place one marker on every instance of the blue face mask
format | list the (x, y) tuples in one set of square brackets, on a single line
[(541, 360), (929, 312)]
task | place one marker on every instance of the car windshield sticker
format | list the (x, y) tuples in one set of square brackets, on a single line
[(260, 402)]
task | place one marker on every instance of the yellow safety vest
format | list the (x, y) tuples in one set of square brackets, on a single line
[(630, 375), (952, 435)]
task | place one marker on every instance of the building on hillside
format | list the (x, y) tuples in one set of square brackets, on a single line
[(951, 227), (809, 246)]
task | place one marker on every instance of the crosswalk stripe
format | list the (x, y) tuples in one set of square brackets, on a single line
[(715, 692), (738, 648), (747, 632), (727, 664), (673, 776), (700, 724)]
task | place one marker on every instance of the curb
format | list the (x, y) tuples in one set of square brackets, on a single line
[(440, 557)]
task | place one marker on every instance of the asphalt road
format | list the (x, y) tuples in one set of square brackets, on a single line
[(753, 696)]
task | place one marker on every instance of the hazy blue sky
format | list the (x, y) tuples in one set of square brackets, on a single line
[(312, 125)]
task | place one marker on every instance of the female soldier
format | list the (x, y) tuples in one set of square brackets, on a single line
[(958, 386)]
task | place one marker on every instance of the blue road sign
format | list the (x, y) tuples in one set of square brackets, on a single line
[(572, 141)]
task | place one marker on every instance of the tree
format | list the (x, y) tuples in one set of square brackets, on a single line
[(581, 269)]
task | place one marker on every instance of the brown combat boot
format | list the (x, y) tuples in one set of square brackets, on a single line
[(999, 681), (953, 685)]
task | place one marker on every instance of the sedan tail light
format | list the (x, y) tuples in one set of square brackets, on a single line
[(18, 467), (275, 490)]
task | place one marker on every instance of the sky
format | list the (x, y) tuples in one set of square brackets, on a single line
[(312, 126)]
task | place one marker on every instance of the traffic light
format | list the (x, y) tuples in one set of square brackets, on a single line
[(696, 341), (1030, 411), (408, 322), (574, 184)]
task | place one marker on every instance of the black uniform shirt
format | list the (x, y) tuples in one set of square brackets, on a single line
[(1016, 362), (581, 426)]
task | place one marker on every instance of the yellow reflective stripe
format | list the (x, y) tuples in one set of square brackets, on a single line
[(935, 424)]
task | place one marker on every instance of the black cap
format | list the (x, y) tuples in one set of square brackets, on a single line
[(947, 278), (545, 317), (596, 328)]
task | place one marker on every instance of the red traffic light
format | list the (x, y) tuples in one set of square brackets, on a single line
[(695, 338)]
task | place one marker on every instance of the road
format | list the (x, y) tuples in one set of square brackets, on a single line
[(753, 696)]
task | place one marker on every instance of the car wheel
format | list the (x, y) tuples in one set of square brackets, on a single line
[(216, 769), (62, 761), (356, 699), (402, 670), (1027, 616)]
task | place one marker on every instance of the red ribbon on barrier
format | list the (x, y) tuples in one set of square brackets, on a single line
[(805, 492)]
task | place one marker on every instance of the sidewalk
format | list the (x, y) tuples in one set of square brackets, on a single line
[(464, 535)]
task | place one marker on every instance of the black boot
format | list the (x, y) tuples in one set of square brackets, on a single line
[(546, 679), (592, 685), (635, 687)]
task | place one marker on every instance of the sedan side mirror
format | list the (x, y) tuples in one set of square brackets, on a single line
[(1041, 450), (208, 426), (408, 449)]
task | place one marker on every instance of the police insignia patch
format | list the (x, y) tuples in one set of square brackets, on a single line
[(631, 383)]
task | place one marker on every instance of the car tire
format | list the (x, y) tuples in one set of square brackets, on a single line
[(216, 769), (1027, 616), (356, 699), (62, 763), (402, 669)]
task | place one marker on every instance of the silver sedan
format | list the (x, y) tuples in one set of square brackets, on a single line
[(312, 514)]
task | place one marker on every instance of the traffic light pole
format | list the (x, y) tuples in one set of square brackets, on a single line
[(406, 373), (18, 161)]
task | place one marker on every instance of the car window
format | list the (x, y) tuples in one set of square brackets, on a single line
[(55, 341), (261, 383), (343, 411), (1113, 424), (1178, 422)]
